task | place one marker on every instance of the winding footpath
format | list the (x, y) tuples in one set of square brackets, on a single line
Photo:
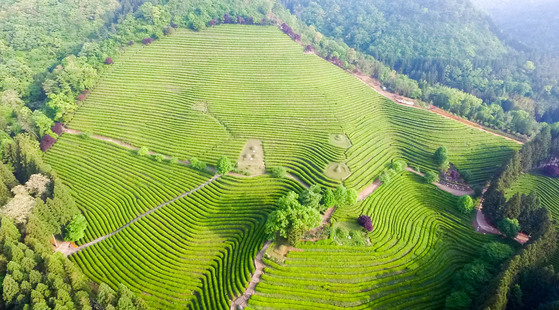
[(68, 249)]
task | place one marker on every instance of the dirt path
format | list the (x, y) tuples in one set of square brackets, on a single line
[(369, 190), (453, 191), (401, 100), (259, 270), (483, 227), (68, 249)]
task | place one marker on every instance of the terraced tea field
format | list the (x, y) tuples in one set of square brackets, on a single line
[(418, 242), (547, 190), (208, 93)]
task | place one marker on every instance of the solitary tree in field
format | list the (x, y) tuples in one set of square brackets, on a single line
[(465, 204), (109, 61), (159, 158), (366, 222), (197, 164), (75, 230), (431, 177), (224, 165)]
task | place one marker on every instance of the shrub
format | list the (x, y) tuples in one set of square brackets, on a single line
[(47, 143), (278, 172), (159, 158), (81, 97), (86, 135), (197, 164), (147, 41), (109, 61), (431, 177), (227, 19), (365, 222), (174, 25), (441, 156), (130, 42), (173, 160), (143, 151), (551, 171), (466, 175), (465, 204), (58, 128), (212, 22)]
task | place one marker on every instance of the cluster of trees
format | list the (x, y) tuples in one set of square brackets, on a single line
[(298, 213), (472, 279), (521, 213), (475, 76)]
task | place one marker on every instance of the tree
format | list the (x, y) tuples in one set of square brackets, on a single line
[(509, 227), (291, 219), (399, 165), (465, 204), (19, 207), (224, 165), (366, 222), (495, 253), (340, 194), (109, 61), (552, 171), (197, 164), (312, 197), (351, 197), (8, 231), (106, 295), (328, 199), (41, 122), (47, 142), (75, 230), (278, 172), (441, 157), (10, 288), (173, 160), (38, 185), (143, 151), (431, 177)]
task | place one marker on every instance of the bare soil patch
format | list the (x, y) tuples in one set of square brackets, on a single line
[(251, 160), (369, 190)]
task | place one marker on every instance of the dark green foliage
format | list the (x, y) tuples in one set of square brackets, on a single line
[(537, 287), (431, 177), (278, 172), (224, 165), (75, 230), (458, 300), (509, 227), (441, 158), (312, 197)]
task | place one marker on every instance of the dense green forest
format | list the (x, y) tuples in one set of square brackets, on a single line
[(450, 43)]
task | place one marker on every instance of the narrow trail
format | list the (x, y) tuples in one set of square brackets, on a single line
[(255, 279), (369, 190), (67, 248), (453, 191)]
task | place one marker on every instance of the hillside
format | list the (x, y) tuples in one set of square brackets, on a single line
[(533, 23), (206, 94)]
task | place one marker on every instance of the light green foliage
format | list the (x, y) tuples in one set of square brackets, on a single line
[(351, 197), (509, 227), (431, 177), (465, 204), (291, 219), (159, 158), (328, 198), (173, 160), (197, 164), (42, 123), (75, 230), (224, 165), (278, 172), (10, 288), (312, 197), (143, 151), (399, 165)]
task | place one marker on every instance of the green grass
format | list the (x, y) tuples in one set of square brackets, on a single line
[(205, 94), (419, 241)]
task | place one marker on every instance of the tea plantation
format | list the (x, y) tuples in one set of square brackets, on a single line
[(205, 94)]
